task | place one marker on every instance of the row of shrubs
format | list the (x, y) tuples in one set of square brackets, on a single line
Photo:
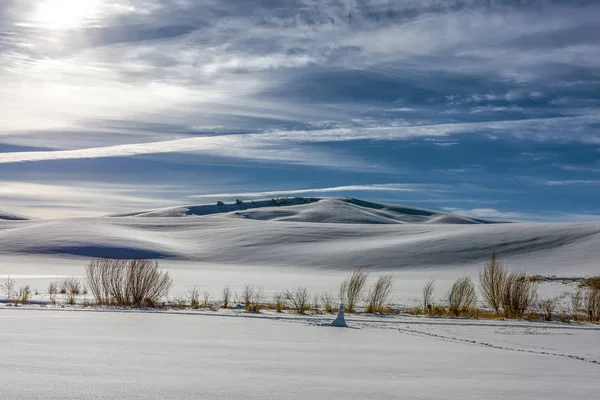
[(511, 295), (504, 293)]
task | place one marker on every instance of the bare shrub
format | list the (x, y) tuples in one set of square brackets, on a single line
[(492, 279), (462, 296), (279, 301), (593, 303), (328, 302), (194, 297), (427, 294), (576, 304), (53, 291), (299, 298), (23, 295), (252, 297), (127, 282), (379, 294), (547, 307), (72, 286), (316, 303), (178, 302), (226, 297), (519, 294), (206, 300), (352, 289), (8, 287)]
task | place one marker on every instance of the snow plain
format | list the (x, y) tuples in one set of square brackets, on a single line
[(58, 355)]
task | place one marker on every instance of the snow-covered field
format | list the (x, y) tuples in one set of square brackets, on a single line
[(52, 353), (307, 242), (60, 355)]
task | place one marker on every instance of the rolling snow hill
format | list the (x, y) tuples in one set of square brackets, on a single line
[(350, 234), (325, 210)]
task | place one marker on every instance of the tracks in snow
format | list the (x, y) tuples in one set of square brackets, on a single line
[(414, 332)]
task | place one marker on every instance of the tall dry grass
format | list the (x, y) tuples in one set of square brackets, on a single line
[(352, 289)]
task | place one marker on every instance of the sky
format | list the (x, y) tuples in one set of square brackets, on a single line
[(483, 108)]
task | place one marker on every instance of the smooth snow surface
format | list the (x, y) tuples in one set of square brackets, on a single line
[(295, 240), (62, 355)]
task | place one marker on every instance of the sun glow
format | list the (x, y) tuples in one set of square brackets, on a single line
[(66, 14)]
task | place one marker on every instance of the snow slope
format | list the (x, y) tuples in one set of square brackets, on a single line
[(324, 210), (291, 241), (106, 355), (11, 216)]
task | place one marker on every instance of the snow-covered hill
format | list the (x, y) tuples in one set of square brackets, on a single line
[(324, 210), (351, 234)]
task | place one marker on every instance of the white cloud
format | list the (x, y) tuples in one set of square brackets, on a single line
[(390, 187)]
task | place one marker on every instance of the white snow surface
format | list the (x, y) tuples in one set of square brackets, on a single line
[(62, 355), (290, 237)]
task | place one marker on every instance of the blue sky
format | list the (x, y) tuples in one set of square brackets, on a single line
[(485, 108)]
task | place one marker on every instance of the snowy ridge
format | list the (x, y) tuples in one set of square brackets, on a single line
[(324, 210), (11, 216)]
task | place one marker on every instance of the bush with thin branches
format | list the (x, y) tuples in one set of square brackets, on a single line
[(137, 282), (328, 302), (352, 289), (23, 295), (492, 279), (53, 291), (299, 299), (252, 297), (206, 299), (379, 294), (547, 307), (279, 301), (593, 303), (462, 296), (194, 297), (8, 287), (427, 294), (226, 297), (576, 304), (519, 294)]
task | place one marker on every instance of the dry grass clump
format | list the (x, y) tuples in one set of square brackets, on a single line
[(127, 282), (23, 295), (591, 283), (427, 294), (299, 299), (352, 289), (492, 279), (462, 296), (379, 294)]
